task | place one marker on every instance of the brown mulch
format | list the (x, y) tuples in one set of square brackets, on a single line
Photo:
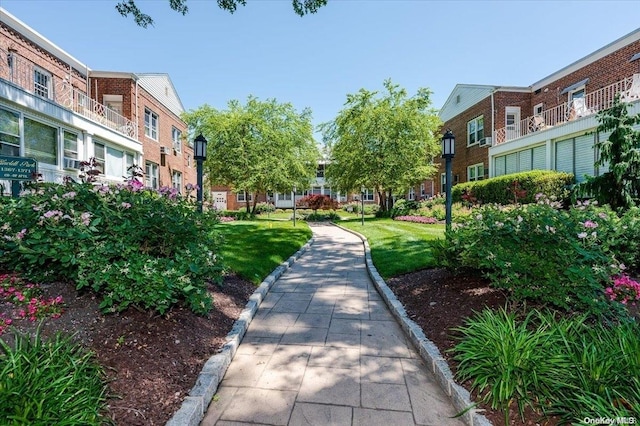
[(153, 361)]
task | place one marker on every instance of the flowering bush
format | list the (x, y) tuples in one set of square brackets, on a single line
[(562, 257), (27, 300), (624, 290), (417, 219), (133, 245)]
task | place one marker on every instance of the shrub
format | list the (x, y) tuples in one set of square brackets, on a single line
[(317, 202), (265, 208), (50, 382), (134, 246), (539, 252), (404, 207), (565, 366), (501, 189)]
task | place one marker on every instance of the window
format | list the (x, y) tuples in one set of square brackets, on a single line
[(176, 135), (475, 172), (242, 197), (98, 153), (443, 181), (41, 142), (369, 195), (113, 102), (577, 156), (42, 83), (475, 130), (176, 181), (150, 124), (412, 193), (151, 175), (316, 190), (284, 196), (9, 133), (112, 162), (422, 190), (70, 145), (528, 159), (320, 171), (537, 110)]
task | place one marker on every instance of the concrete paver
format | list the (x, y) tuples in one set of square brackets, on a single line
[(324, 349)]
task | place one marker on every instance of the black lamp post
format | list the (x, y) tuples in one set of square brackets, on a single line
[(199, 154), (448, 152), (362, 204), (294, 206)]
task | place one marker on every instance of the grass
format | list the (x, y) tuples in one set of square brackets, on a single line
[(253, 249), (398, 247)]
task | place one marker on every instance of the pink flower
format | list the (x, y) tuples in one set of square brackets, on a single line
[(70, 195), (20, 235), (125, 205), (86, 218), (590, 224)]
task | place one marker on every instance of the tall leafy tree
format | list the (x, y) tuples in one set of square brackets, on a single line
[(620, 185), (257, 147), (384, 141), (130, 7)]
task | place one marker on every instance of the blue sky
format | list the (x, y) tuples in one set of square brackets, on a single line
[(266, 50)]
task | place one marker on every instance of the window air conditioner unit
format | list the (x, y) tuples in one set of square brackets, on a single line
[(70, 163), (164, 150), (485, 141)]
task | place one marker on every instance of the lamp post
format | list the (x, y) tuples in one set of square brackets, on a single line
[(448, 152), (199, 154), (294, 206), (362, 204)]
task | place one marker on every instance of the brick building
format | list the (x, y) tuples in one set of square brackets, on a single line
[(57, 110), (548, 125)]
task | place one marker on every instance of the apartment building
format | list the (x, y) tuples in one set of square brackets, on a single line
[(548, 125), (55, 109)]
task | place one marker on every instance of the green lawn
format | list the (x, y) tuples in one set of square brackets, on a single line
[(253, 249), (397, 247)]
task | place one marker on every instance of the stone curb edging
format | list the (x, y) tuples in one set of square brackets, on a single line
[(196, 403), (429, 352)]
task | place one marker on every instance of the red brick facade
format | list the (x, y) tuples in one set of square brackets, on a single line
[(600, 73)]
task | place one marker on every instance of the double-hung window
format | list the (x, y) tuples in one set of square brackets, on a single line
[(151, 175), (176, 135), (9, 133), (475, 172), (475, 130), (41, 141), (176, 181), (42, 83), (150, 124)]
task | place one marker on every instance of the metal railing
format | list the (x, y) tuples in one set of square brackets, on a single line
[(35, 80), (591, 103)]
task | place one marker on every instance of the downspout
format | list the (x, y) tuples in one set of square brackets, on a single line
[(493, 133), (136, 114)]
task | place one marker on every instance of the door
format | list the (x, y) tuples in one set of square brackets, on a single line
[(512, 122), (220, 200)]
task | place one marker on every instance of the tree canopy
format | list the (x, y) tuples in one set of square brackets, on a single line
[(258, 147), (385, 141), (129, 7)]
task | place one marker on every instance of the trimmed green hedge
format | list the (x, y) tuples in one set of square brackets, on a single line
[(500, 189)]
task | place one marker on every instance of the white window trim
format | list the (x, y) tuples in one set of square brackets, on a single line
[(538, 109), (477, 141), (476, 168), (49, 85), (177, 142), (151, 126), (241, 199)]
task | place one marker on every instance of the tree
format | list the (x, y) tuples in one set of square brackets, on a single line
[(258, 147), (129, 7), (620, 185), (385, 142)]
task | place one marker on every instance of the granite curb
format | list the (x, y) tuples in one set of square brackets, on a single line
[(196, 403), (429, 352)]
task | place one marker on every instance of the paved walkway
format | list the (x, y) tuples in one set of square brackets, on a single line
[(323, 349)]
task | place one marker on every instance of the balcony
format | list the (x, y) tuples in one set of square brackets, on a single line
[(37, 81), (591, 103)]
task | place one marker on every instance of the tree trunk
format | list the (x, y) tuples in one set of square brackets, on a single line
[(383, 200), (255, 202), (246, 201), (390, 201)]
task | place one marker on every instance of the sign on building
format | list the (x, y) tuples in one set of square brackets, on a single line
[(17, 168)]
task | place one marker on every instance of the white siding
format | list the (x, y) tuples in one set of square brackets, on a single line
[(539, 158), (524, 160), (584, 157), (161, 88), (564, 156), (512, 163)]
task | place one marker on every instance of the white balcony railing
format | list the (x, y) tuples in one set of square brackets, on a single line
[(591, 103), (26, 75)]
